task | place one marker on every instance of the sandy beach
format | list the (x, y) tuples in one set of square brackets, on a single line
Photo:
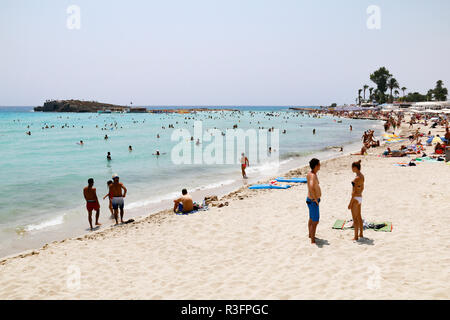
[(257, 246)]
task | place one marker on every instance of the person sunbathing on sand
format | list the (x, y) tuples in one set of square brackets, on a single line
[(184, 203), (394, 153), (356, 200)]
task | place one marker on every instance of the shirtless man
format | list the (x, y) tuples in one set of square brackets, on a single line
[(447, 135), (313, 199), (90, 194), (184, 203), (115, 190), (244, 164)]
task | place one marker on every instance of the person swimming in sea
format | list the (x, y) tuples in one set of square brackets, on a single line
[(108, 156), (130, 148)]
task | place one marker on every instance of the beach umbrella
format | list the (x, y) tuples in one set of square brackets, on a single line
[(436, 140)]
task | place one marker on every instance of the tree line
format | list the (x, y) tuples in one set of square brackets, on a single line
[(387, 88)]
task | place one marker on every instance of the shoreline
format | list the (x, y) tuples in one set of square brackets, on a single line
[(75, 226), (257, 247), (222, 192)]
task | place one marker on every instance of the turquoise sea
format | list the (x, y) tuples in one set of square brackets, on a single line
[(42, 175)]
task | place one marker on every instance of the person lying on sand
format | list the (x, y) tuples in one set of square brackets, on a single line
[(90, 195), (184, 203), (394, 153)]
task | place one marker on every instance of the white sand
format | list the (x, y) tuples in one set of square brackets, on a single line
[(258, 247)]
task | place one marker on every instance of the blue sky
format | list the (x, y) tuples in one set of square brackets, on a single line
[(211, 52)]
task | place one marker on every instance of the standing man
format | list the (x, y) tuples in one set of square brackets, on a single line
[(244, 164), (313, 198), (90, 194), (115, 190)]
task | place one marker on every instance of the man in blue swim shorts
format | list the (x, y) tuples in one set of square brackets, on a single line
[(313, 198)]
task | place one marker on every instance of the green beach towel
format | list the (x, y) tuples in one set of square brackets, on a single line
[(339, 225)]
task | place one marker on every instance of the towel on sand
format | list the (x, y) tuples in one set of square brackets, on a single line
[(347, 224), (268, 186)]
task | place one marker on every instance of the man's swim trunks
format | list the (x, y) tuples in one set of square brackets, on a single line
[(92, 205), (313, 207), (117, 202)]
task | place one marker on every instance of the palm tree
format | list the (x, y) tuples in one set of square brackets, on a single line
[(359, 95), (370, 93), (396, 93), (392, 84), (429, 95), (403, 89), (365, 88)]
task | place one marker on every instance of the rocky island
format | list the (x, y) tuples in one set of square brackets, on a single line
[(84, 106)]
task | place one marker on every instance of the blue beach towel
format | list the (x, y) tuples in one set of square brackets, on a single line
[(293, 180), (268, 186)]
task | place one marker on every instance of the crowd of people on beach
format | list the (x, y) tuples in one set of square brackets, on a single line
[(314, 191), (184, 204)]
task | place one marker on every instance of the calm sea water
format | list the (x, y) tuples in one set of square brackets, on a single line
[(42, 175)]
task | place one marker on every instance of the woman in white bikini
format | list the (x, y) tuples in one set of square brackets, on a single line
[(355, 202)]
